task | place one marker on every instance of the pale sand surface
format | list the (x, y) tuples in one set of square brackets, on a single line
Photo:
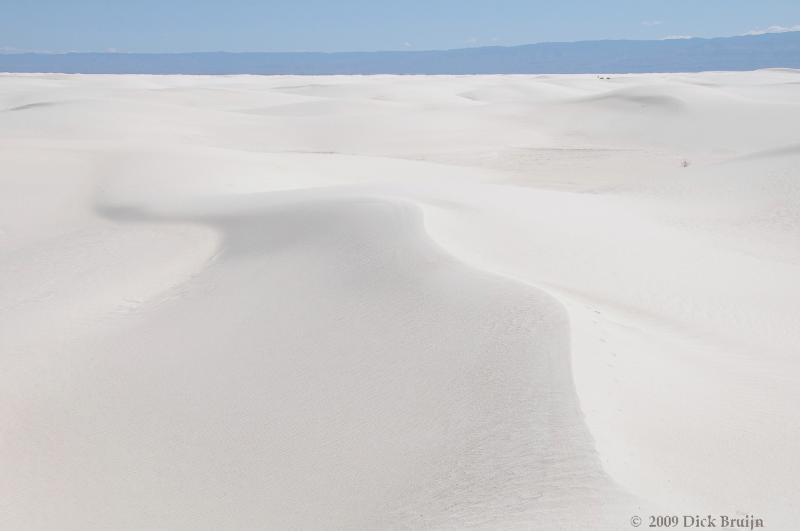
[(492, 302)]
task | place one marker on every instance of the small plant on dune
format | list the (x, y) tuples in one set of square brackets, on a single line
[(685, 163)]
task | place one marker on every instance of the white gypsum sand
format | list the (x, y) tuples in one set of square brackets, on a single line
[(492, 302)]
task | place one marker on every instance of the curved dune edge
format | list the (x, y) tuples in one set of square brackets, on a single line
[(331, 368)]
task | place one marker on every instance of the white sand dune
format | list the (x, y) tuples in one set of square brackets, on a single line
[(386, 302)]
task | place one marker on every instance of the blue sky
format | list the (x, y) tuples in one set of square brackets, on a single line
[(359, 25)]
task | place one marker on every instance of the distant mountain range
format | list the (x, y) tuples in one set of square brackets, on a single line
[(620, 56)]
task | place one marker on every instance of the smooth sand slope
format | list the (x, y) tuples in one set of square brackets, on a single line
[(398, 302)]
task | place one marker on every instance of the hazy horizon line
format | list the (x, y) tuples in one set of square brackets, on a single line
[(10, 50)]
